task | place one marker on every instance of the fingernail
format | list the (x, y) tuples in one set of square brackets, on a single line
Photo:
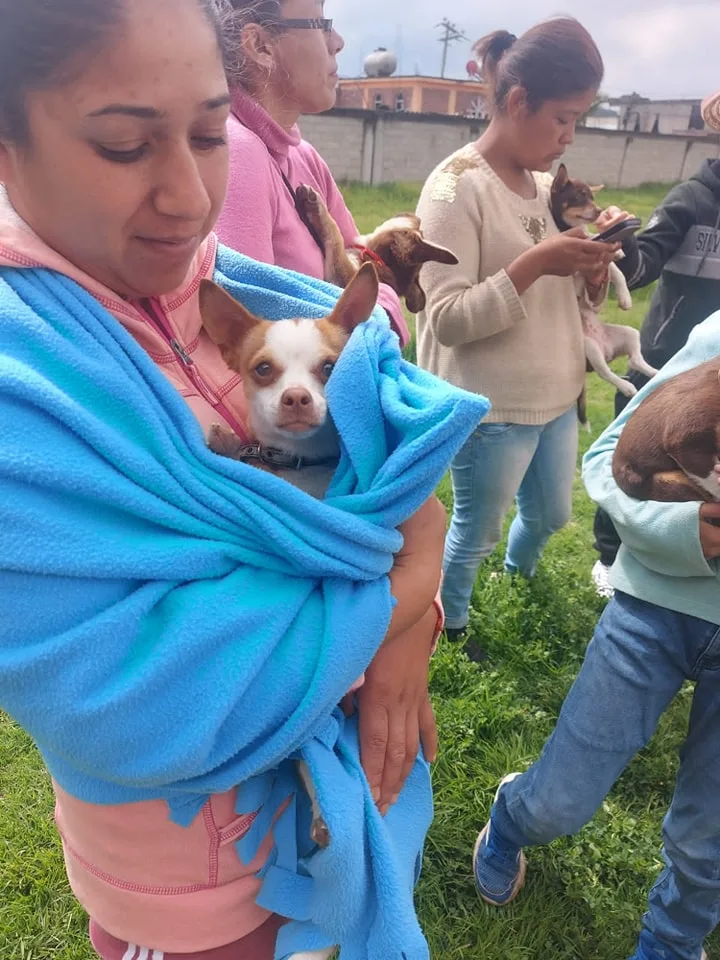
[(376, 794), (394, 800), (384, 809)]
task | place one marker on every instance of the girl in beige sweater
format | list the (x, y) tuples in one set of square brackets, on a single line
[(505, 322)]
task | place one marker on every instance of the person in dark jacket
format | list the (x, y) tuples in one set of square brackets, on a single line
[(681, 247)]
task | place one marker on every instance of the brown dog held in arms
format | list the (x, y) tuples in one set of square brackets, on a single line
[(669, 449), (573, 204), (396, 248)]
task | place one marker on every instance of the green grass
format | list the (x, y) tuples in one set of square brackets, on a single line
[(585, 895)]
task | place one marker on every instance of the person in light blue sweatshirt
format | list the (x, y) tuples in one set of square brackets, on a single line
[(661, 628)]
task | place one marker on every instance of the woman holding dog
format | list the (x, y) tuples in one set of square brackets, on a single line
[(142, 644), (505, 322), (286, 67)]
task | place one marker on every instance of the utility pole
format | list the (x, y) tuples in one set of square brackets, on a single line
[(451, 33)]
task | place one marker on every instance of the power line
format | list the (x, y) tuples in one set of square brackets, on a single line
[(451, 33)]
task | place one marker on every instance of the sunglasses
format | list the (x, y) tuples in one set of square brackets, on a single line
[(304, 23)]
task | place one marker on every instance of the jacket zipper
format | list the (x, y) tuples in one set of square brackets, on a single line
[(158, 322)]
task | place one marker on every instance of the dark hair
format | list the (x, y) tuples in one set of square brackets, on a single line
[(552, 61), (41, 41)]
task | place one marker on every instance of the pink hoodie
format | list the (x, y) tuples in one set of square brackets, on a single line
[(259, 218), (140, 877)]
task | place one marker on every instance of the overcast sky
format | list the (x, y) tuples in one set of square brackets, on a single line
[(661, 48)]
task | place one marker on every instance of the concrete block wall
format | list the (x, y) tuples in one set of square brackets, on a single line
[(700, 150), (597, 158), (340, 141), (652, 160), (412, 150), (384, 147)]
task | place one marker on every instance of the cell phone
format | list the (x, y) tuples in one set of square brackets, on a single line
[(620, 231)]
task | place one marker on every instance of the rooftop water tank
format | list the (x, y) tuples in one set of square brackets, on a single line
[(381, 63)]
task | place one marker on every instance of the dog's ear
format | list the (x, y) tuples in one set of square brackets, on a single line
[(426, 252), (561, 178), (226, 321), (415, 296), (595, 190), (358, 299)]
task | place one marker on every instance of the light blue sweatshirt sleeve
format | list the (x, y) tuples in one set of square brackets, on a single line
[(664, 537)]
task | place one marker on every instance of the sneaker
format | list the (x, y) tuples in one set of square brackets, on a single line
[(499, 866), (600, 576), (460, 635), (475, 653)]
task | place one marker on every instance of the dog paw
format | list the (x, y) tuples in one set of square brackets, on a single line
[(308, 197), (319, 833), (312, 208), (624, 301), (224, 442), (627, 388)]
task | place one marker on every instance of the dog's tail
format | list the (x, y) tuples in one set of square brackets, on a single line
[(582, 408)]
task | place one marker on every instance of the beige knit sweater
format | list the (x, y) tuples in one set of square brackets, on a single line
[(523, 352)]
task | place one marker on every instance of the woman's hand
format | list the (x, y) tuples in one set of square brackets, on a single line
[(610, 216), (562, 255), (415, 576), (571, 252), (709, 531), (395, 711), (394, 705)]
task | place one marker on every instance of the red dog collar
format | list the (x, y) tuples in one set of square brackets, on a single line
[(367, 254)]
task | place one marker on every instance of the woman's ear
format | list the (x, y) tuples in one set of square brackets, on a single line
[(516, 105), (257, 47), (9, 163), (5, 165)]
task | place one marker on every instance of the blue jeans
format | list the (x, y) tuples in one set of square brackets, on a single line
[(499, 463), (636, 663)]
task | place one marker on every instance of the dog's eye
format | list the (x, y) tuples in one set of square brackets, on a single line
[(327, 369), (263, 369)]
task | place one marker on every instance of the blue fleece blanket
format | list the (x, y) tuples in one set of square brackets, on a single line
[(175, 624)]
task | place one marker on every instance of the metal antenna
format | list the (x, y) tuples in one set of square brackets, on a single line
[(451, 33)]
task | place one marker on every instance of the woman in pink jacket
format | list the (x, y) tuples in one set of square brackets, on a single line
[(286, 67), (113, 165)]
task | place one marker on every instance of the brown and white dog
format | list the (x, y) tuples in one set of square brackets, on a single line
[(397, 249), (669, 449), (572, 203), (285, 366)]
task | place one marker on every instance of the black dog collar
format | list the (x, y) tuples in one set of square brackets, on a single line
[(272, 457)]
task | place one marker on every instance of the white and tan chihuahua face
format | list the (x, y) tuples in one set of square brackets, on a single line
[(285, 364)]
